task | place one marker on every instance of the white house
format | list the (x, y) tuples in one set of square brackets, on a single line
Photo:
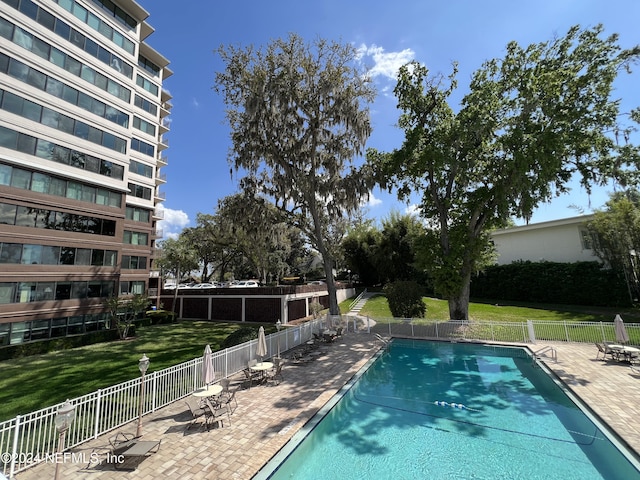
[(564, 240)]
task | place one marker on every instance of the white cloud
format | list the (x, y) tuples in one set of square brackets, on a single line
[(195, 103), (385, 64), (413, 209), (371, 202), (173, 222)]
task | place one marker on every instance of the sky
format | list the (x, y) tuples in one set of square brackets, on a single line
[(389, 34)]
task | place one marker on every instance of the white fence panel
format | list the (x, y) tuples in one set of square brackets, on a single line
[(28, 439)]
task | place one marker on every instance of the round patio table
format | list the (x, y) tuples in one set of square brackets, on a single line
[(210, 391)]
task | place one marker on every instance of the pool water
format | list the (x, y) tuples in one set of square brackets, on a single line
[(434, 410)]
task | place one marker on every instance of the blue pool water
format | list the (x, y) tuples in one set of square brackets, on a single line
[(433, 410)]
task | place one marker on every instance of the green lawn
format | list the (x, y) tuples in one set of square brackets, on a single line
[(31, 383), (439, 310)]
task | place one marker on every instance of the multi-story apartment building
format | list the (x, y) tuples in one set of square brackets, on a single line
[(83, 124)]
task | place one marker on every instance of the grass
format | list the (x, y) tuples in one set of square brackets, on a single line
[(30, 383), (439, 310)]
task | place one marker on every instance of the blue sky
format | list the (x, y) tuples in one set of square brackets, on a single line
[(389, 33)]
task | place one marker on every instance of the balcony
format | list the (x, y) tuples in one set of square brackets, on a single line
[(158, 214), (160, 196), (161, 179)]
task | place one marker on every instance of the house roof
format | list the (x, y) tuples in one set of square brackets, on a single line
[(548, 224)]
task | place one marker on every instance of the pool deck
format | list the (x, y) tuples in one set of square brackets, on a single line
[(267, 416)]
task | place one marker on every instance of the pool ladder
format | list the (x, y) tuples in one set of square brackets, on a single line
[(382, 340), (554, 354)]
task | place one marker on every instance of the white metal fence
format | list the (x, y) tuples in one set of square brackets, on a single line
[(527, 332), (29, 439)]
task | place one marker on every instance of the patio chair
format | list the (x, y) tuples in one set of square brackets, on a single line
[(228, 396), (614, 354), (196, 413), (339, 331), (250, 376), (276, 375), (215, 414), (329, 338)]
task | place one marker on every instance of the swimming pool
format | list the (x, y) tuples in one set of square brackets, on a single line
[(435, 410)]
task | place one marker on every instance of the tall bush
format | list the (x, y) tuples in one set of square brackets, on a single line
[(579, 283), (405, 299)]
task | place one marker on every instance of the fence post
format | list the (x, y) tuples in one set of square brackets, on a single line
[(14, 448), (566, 330), (98, 412), (154, 382)]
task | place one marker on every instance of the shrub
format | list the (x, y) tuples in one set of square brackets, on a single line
[(579, 283), (159, 317), (241, 335), (405, 299)]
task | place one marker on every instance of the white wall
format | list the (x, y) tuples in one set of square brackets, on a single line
[(554, 241)]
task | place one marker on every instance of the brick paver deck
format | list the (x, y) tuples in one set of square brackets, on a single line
[(267, 416)]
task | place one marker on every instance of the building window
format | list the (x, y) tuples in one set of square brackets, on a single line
[(35, 78), (139, 191), (141, 169), (132, 213), (62, 60), (135, 238), (145, 105), (132, 288), (42, 183), (45, 116), (586, 239), (142, 147), (150, 87)]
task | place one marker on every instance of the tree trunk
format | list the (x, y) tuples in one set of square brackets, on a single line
[(459, 304), (331, 288)]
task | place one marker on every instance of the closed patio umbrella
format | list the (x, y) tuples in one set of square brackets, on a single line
[(621, 332), (261, 349), (208, 375)]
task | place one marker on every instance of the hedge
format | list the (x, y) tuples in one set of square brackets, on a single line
[(579, 283), (53, 344)]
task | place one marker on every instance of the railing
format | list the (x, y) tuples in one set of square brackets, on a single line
[(527, 332), (357, 299), (29, 439)]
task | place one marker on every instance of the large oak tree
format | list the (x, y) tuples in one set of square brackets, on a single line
[(529, 124), (299, 117)]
